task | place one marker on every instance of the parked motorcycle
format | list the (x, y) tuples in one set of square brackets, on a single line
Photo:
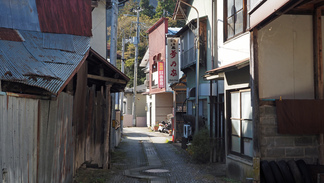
[(162, 125), (167, 127)]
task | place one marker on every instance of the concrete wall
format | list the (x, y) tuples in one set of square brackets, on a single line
[(276, 146), (140, 109), (140, 104), (98, 40), (286, 58), (128, 120), (163, 106)]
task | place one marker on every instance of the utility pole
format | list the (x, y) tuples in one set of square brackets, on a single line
[(122, 93), (135, 65), (113, 60)]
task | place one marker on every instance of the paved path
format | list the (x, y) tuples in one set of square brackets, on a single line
[(145, 156)]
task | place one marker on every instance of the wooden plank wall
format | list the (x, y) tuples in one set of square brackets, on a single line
[(18, 134), (56, 140), (36, 139), (95, 133)]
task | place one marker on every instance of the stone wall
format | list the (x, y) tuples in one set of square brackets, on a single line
[(276, 146)]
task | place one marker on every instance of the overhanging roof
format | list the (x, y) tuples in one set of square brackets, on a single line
[(43, 60), (226, 68), (109, 72), (270, 10)]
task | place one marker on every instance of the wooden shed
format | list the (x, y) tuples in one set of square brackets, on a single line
[(46, 135)]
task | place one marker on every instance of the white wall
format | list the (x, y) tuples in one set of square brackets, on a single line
[(233, 50), (98, 40), (286, 58)]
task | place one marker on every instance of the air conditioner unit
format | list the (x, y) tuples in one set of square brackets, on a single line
[(186, 131)]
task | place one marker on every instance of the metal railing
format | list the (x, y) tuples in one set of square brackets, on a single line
[(188, 58)]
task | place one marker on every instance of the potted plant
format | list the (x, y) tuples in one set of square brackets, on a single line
[(156, 127)]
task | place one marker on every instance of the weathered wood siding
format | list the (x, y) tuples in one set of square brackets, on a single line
[(56, 140), (36, 140), (18, 139)]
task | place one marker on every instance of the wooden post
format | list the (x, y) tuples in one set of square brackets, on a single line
[(318, 65), (254, 82), (107, 111), (318, 69)]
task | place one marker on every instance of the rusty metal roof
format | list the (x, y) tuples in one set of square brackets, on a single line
[(53, 16), (65, 17), (32, 63)]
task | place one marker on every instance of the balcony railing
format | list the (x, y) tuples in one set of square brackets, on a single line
[(188, 58)]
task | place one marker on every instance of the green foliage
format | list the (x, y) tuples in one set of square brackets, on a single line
[(165, 5), (127, 25), (200, 147), (148, 9)]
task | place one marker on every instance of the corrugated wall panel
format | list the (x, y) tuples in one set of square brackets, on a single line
[(18, 135), (21, 138), (2, 100)]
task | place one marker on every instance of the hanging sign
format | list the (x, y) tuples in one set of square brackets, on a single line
[(173, 60), (161, 74)]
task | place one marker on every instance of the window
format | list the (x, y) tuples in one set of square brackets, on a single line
[(241, 123), (154, 65), (235, 18)]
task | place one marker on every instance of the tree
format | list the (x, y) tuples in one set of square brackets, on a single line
[(165, 5), (127, 23), (148, 10)]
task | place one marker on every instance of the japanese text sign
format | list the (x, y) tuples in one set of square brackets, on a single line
[(161, 74), (173, 60)]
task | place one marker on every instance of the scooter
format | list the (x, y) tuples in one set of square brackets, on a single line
[(167, 127), (161, 126)]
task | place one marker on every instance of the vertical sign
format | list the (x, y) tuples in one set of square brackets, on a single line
[(161, 74), (173, 60)]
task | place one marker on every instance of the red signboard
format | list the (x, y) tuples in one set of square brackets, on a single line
[(161, 74)]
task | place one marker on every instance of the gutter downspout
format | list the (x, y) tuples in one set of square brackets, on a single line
[(197, 68)]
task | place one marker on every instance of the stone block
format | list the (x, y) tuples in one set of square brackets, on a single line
[(267, 142), (262, 111), (268, 120), (270, 111), (284, 141), (275, 152), (311, 151), (295, 152), (268, 130), (304, 141)]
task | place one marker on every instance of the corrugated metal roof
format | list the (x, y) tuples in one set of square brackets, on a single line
[(65, 17), (19, 14), (173, 30), (30, 63), (10, 35)]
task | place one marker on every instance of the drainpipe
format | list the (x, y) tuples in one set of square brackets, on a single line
[(197, 69)]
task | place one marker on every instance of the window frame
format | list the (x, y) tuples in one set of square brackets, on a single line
[(225, 15), (230, 135)]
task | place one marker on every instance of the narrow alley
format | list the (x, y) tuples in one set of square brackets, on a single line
[(147, 156)]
